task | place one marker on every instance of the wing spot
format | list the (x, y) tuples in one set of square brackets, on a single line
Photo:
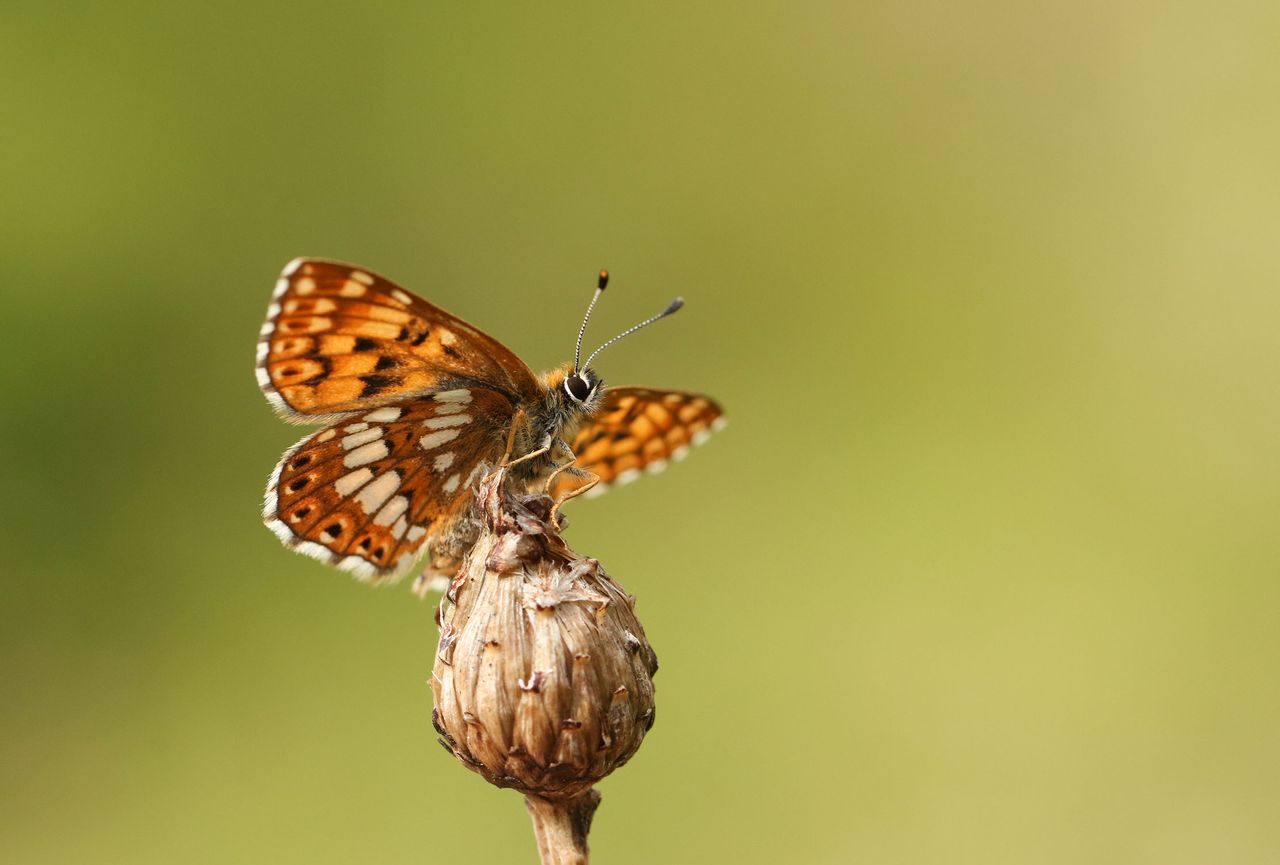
[(363, 343), (627, 477), (313, 305), (301, 513), (309, 324), (625, 446), (443, 461), (461, 395), (452, 483), (320, 376), (305, 285), (658, 413), (420, 338), (292, 346), (375, 384), (643, 427), (361, 276), (391, 511), (654, 449), (364, 455), (625, 463), (351, 288), (299, 484), (435, 439), (446, 421), (401, 296), (383, 415), (371, 329), (385, 362), (333, 530), (376, 493), (362, 437), (447, 337), (352, 481), (301, 462)]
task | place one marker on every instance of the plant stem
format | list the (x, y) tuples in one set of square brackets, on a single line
[(561, 826)]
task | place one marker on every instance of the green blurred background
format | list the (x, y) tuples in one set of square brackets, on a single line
[(984, 569)]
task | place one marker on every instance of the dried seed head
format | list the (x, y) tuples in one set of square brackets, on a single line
[(543, 676)]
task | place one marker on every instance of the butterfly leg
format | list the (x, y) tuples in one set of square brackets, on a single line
[(591, 481), (547, 444), (568, 467), (516, 422)]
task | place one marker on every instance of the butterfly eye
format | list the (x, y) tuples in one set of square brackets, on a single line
[(577, 386)]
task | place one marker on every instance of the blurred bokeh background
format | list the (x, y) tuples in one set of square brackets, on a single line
[(984, 569)]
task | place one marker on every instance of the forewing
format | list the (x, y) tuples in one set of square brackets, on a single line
[(339, 339), (640, 429), (367, 493)]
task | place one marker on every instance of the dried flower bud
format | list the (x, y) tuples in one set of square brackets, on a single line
[(543, 676)]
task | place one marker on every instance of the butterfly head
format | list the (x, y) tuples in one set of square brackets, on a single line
[(572, 395)]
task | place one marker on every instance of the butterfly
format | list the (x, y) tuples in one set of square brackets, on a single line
[(418, 405)]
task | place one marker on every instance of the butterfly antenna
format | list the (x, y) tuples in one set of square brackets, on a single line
[(670, 310), (600, 286)]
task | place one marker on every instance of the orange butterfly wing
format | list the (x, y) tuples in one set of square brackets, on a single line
[(640, 429), (367, 493), (339, 339)]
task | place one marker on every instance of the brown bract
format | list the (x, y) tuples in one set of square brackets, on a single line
[(543, 676)]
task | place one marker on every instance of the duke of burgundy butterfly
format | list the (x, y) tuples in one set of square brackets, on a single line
[(417, 405)]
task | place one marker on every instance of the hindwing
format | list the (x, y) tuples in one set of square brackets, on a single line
[(367, 493), (640, 429)]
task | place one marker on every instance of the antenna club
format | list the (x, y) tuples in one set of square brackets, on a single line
[(671, 307), (603, 280)]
